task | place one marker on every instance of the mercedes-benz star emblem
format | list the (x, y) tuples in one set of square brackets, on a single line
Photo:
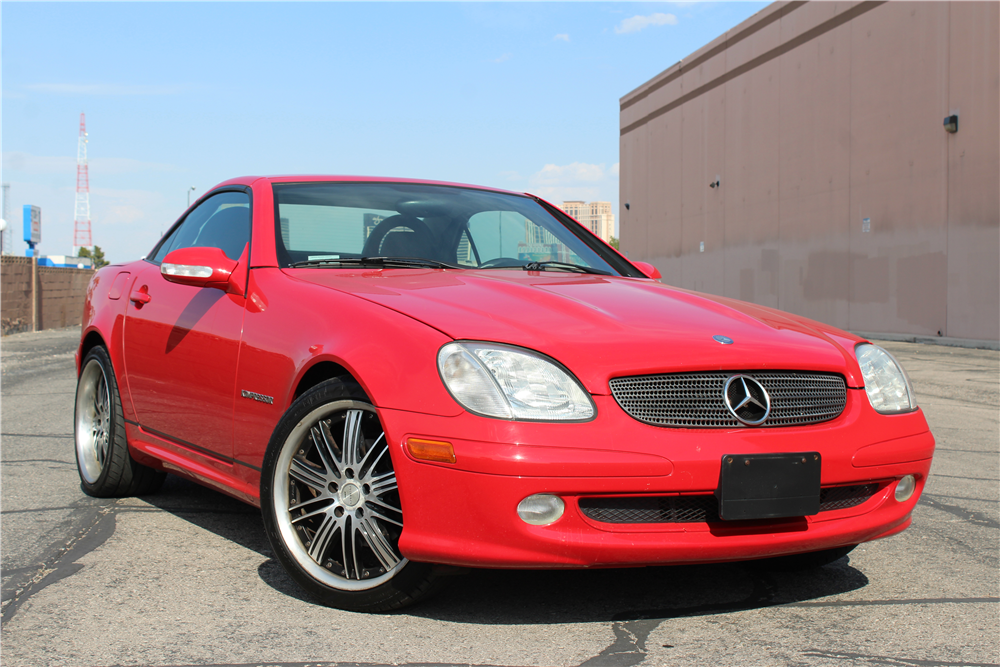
[(746, 400), (725, 340)]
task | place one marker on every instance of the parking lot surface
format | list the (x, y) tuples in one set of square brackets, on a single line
[(186, 577)]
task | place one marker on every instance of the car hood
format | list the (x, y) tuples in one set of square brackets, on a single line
[(602, 327)]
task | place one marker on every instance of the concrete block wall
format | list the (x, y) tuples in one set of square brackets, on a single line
[(60, 294)]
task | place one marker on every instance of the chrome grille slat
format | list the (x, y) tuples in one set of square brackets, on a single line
[(694, 400)]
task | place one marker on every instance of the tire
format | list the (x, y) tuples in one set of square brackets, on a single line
[(331, 506), (106, 468), (808, 561)]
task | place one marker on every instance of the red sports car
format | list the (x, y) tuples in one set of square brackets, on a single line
[(405, 375)]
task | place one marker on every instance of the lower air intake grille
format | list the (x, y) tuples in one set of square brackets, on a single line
[(694, 400), (843, 497), (651, 509), (700, 509)]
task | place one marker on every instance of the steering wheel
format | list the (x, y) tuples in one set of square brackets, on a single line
[(501, 262), (374, 242)]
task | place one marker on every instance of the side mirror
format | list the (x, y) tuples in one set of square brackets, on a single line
[(200, 267), (647, 268)]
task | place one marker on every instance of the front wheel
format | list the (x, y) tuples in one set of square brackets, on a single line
[(106, 468), (331, 505)]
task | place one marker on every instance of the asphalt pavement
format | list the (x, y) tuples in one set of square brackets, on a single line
[(186, 577)]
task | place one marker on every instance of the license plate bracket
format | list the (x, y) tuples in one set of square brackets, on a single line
[(769, 486)]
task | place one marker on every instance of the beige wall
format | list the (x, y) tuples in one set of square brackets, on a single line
[(61, 293), (814, 116)]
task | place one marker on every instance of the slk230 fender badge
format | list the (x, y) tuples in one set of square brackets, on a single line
[(257, 397)]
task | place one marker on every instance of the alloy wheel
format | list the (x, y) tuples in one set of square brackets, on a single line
[(93, 417), (336, 500)]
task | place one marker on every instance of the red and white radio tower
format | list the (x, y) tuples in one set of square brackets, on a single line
[(81, 219)]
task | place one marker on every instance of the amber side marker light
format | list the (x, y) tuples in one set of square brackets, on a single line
[(431, 450)]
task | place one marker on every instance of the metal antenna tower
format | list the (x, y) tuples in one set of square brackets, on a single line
[(81, 218)]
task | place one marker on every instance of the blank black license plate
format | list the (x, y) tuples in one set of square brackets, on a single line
[(768, 486)]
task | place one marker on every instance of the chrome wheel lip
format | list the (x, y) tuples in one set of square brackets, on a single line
[(282, 503), (93, 421)]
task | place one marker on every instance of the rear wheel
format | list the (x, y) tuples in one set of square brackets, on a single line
[(331, 505), (102, 458)]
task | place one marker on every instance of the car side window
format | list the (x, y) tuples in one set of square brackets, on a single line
[(222, 222)]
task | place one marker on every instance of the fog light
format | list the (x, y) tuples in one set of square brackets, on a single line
[(905, 488), (541, 509)]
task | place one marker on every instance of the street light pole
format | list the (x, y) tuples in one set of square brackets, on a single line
[(190, 190)]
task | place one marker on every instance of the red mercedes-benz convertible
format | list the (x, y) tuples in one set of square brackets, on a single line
[(405, 375)]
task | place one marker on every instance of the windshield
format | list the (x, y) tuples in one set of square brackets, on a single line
[(344, 224)]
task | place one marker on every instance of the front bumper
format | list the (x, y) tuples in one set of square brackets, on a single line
[(464, 513)]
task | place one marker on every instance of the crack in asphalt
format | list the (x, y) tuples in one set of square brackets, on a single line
[(974, 518), (975, 479), (100, 526), (975, 500), (892, 660), (880, 603), (963, 451), (629, 647), (334, 664)]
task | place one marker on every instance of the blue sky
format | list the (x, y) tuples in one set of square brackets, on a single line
[(517, 95)]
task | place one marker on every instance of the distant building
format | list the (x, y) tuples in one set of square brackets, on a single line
[(596, 216), (541, 246), (65, 262)]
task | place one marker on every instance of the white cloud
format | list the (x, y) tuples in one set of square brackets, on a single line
[(637, 23), (570, 174), (125, 223), (561, 37), (111, 206), (504, 58), (104, 89), (576, 181), (39, 164)]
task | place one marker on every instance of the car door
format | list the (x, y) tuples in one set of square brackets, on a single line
[(181, 343)]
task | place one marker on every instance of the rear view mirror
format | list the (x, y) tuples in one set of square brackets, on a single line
[(199, 267)]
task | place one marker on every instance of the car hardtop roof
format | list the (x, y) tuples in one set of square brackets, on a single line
[(318, 178)]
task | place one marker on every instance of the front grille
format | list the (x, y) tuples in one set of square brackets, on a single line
[(695, 400), (651, 509), (700, 508), (843, 497)]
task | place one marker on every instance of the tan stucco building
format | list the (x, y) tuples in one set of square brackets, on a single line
[(801, 161), (595, 215)]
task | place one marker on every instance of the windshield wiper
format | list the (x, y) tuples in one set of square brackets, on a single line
[(563, 266), (391, 262)]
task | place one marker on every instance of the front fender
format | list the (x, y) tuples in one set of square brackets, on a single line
[(292, 325)]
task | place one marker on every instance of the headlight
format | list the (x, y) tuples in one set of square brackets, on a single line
[(512, 383), (886, 383)]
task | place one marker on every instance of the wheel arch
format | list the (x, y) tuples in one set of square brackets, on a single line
[(89, 342), (321, 371)]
